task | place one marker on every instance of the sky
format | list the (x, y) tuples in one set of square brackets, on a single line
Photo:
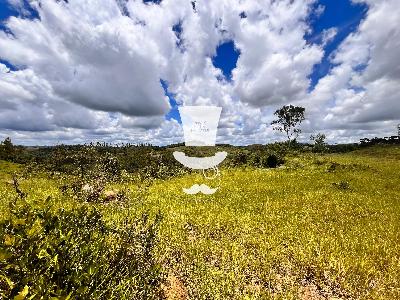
[(116, 71)]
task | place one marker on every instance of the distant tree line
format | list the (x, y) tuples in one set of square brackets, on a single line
[(151, 159), (391, 140)]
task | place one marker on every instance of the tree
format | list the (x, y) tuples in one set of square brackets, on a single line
[(7, 144), (289, 118), (6, 149), (319, 142)]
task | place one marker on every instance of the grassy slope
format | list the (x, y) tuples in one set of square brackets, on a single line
[(279, 233), (274, 232)]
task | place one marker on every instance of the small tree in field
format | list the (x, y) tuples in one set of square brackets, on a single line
[(6, 149), (319, 142), (289, 118)]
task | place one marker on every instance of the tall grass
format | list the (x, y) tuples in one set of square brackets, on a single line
[(319, 226)]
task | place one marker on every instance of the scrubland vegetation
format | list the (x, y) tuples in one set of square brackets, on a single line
[(113, 223)]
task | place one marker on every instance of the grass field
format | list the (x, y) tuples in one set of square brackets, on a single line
[(320, 227)]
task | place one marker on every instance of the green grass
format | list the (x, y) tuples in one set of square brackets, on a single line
[(325, 225)]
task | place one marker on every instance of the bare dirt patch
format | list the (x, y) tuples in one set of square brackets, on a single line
[(174, 289)]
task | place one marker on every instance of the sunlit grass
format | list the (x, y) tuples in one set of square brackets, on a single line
[(326, 223)]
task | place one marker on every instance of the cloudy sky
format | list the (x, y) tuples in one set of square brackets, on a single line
[(74, 71)]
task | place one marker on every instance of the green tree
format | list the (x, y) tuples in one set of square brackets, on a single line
[(289, 118), (319, 142), (6, 149)]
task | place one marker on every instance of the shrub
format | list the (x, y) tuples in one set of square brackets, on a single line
[(341, 185), (332, 166), (254, 159), (238, 159), (76, 255), (319, 143), (7, 149), (343, 148), (272, 161)]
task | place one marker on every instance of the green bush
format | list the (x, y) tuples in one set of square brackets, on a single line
[(272, 161), (75, 255), (341, 185), (320, 146), (237, 159)]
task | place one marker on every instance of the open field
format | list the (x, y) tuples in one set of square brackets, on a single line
[(318, 227)]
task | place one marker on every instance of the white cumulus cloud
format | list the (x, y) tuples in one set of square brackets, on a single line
[(92, 70)]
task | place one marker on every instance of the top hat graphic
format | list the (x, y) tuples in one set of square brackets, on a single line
[(200, 124)]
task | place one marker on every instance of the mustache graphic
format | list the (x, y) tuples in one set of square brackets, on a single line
[(205, 189), (200, 163)]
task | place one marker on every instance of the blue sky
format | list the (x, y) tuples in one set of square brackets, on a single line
[(246, 57), (342, 14), (6, 11)]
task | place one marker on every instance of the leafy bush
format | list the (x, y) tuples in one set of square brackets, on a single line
[(76, 255), (341, 185), (7, 149), (260, 159), (343, 148), (272, 161), (332, 166), (320, 145), (238, 159)]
